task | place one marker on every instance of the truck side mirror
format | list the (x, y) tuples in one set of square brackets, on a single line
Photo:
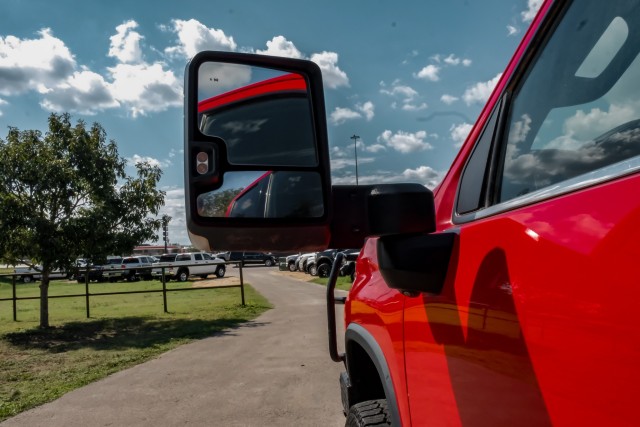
[(256, 153)]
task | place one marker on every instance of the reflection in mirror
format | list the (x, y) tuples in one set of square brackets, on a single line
[(262, 115), (265, 194)]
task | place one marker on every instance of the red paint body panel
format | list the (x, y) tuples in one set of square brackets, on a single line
[(285, 83), (537, 323)]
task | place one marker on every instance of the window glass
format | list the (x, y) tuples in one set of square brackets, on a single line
[(275, 131), (198, 257), (183, 258), (578, 109), (472, 183)]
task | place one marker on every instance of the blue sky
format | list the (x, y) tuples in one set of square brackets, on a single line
[(408, 77)]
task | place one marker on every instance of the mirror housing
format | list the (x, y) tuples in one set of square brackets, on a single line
[(211, 159), (337, 217)]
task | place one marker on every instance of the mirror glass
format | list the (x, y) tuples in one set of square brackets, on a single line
[(264, 194), (262, 115)]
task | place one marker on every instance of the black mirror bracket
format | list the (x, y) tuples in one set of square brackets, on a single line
[(416, 264)]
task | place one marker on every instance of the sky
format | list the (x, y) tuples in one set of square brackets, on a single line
[(408, 77)]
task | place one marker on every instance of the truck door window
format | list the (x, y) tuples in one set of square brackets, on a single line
[(473, 182), (576, 115)]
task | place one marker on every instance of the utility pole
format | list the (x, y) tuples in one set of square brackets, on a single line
[(165, 231), (355, 150)]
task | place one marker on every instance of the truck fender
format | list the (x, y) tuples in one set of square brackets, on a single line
[(358, 334)]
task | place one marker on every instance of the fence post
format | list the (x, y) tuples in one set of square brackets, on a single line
[(86, 289), (241, 283), (164, 292), (15, 301)]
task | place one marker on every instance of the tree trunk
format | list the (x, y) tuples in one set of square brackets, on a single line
[(44, 301)]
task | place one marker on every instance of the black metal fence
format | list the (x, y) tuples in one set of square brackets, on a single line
[(88, 295)]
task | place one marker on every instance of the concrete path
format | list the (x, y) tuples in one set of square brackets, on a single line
[(273, 371)]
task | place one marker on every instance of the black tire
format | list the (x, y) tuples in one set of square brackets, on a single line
[(220, 271), (323, 270), (268, 262), (369, 413), (292, 266), (183, 275), (27, 279)]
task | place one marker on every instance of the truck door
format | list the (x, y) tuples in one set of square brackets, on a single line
[(537, 322)]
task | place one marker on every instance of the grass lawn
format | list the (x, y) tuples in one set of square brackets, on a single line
[(124, 330)]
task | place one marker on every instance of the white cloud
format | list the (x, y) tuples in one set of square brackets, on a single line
[(33, 64), (406, 94), (430, 72), (455, 61), (480, 92), (2, 102), (135, 159), (367, 109), (145, 88), (194, 37), (448, 99), (405, 142), (460, 132), (84, 92), (586, 125), (125, 44), (280, 46), (398, 90), (375, 148), (414, 107), (332, 75), (342, 115), (424, 175), (512, 30), (46, 66), (532, 8)]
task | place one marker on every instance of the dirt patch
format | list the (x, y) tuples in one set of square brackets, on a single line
[(234, 278)]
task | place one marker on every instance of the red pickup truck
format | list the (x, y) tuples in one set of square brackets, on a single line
[(508, 295)]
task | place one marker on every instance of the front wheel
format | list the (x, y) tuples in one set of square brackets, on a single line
[(220, 271), (27, 279), (369, 413), (292, 266), (182, 275), (313, 270), (268, 262), (324, 270)]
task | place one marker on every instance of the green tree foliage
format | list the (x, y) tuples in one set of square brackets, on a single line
[(66, 194), (216, 203)]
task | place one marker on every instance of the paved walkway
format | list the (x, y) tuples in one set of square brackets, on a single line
[(273, 371)]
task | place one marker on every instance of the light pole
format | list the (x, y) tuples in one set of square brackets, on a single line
[(355, 150)]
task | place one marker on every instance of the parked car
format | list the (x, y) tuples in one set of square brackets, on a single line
[(111, 270), (95, 273), (291, 261), (29, 274), (222, 255), (253, 258), (181, 266), (137, 267)]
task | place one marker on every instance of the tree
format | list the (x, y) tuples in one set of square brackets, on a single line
[(67, 195), (216, 203)]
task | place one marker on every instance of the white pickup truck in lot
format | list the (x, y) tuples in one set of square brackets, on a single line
[(181, 266), (30, 274)]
